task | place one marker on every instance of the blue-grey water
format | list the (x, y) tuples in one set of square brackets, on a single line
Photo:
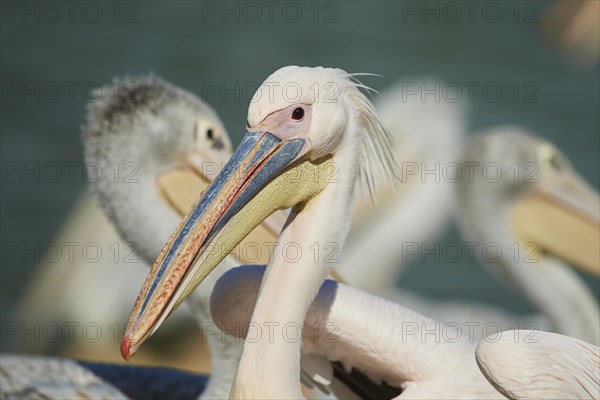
[(52, 58)]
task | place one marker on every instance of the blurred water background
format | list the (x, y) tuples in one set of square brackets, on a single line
[(199, 46)]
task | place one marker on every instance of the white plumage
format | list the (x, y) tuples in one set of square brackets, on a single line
[(387, 342), (540, 365)]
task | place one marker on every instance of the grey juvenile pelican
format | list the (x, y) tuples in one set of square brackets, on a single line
[(170, 138), (173, 138)]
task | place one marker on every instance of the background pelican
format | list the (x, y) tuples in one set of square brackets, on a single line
[(170, 137), (541, 215), (486, 207), (156, 145)]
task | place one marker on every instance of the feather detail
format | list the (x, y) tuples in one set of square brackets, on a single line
[(378, 165)]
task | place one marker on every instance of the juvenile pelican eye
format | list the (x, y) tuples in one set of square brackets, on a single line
[(210, 134), (298, 113)]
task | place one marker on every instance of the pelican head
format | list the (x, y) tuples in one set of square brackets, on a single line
[(522, 185), (147, 141), (308, 130)]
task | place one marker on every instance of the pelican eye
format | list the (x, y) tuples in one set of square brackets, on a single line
[(298, 114), (554, 162), (551, 158)]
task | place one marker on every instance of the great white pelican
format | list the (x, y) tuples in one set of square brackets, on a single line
[(305, 154)]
